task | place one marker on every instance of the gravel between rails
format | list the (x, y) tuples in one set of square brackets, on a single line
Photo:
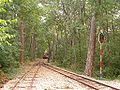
[(51, 80), (48, 80)]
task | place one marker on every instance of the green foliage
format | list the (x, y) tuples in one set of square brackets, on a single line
[(118, 77), (68, 32), (60, 28), (9, 50)]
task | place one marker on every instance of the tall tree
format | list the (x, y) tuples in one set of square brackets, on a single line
[(91, 48), (22, 41)]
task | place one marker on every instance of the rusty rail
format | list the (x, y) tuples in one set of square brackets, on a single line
[(94, 84), (25, 76)]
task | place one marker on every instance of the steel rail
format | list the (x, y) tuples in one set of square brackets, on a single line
[(34, 76), (24, 75), (77, 78)]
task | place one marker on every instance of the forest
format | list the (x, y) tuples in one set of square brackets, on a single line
[(67, 30)]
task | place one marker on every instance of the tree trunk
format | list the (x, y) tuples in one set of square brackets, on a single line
[(22, 41), (91, 48), (33, 46), (49, 51)]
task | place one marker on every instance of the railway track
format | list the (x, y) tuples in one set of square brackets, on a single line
[(93, 84), (27, 79)]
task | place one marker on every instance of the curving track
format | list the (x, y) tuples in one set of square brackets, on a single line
[(28, 79), (93, 84)]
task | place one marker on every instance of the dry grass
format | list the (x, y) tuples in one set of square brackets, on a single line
[(3, 78)]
